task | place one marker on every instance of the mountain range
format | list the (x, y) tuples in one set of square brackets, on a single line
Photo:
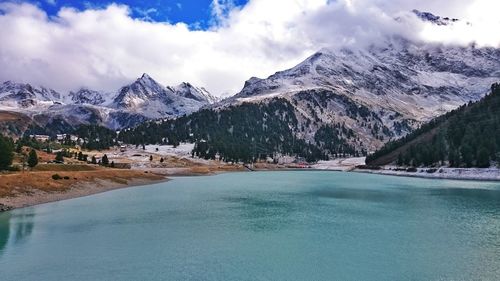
[(142, 100), (362, 97)]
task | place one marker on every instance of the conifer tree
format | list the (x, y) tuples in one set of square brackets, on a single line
[(483, 158), (59, 157), (32, 158), (105, 161), (6, 152)]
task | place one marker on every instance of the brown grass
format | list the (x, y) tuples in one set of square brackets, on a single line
[(65, 167), (13, 184)]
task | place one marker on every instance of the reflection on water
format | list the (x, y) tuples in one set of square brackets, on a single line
[(4, 230), (15, 226), (22, 224)]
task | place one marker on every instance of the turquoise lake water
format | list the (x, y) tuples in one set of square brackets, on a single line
[(262, 226)]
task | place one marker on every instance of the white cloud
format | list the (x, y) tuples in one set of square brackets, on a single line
[(104, 48), (146, 13)]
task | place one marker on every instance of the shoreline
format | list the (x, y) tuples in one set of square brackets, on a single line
[(101, 185), (82, 189), (460, 174)]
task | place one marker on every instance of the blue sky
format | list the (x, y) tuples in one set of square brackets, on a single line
[(196, 13)]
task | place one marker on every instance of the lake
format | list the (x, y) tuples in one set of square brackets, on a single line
[(262, 226)]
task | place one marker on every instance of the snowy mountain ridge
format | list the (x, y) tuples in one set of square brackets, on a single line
[(429, 17), (134, 103)]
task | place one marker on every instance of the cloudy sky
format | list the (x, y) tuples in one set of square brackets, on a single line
[(217, 44)]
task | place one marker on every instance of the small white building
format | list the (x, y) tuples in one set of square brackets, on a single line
[(41, 138), (284, 159)]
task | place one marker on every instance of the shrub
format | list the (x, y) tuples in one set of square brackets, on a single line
[(56, 177), (66, 177)]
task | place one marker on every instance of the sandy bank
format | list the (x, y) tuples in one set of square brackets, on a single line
[(31, 188)]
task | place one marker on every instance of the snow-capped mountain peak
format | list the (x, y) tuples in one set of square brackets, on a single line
[(149, 82), (189, 91), (87, 96), (25, 95)]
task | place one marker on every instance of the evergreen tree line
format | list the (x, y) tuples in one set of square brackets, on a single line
[(466, 137), (96, 137), (246, 133), (7, 149)]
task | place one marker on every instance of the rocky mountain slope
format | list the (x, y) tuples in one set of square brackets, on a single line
[(137, 102)]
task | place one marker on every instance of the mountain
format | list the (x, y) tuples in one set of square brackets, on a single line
[(381, 92), (345, 101), (338, 102), (191, 92), (142, 100), (466, 137), (25, 96), (87, 96), (153, 100)]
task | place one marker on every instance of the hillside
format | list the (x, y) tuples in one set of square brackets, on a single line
[(14, 124), (466, 137), (246, 132)]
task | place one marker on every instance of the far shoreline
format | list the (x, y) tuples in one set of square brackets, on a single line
[(436, 176)]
